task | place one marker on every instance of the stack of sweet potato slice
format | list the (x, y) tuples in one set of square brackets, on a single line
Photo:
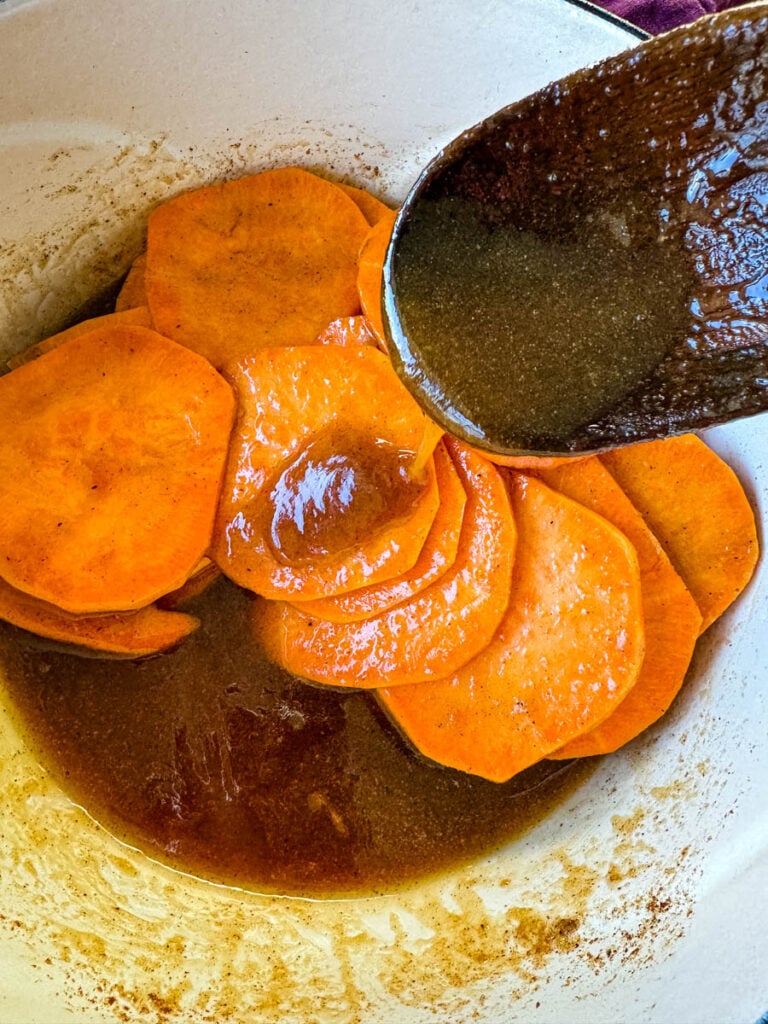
[(114, 444), (501, 613)]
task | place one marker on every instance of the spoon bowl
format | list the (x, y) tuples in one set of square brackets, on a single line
[(587, 267)]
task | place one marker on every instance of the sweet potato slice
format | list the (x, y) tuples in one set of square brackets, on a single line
[(671, 616), (138, 317), (428, 636), (133, 291), (697, 509), (133, 634), (265, 260), (113, 450), (348, 331), (531, 463), (371, 208), (321, 495), (437, 556), (370, 271), (202, 576), (567, 652)]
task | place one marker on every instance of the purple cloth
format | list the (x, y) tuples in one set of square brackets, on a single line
[(660, 15)]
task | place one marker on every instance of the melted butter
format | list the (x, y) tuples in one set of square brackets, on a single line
[(337, 492)]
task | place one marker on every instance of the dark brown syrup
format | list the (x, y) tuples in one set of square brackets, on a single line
[(337, 491), (214, 761), (528, 335)]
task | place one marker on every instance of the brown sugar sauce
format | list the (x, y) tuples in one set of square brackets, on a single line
[(336, 492), (211, 759)]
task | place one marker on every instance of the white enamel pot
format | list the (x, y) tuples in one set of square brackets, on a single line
[(643, 897)]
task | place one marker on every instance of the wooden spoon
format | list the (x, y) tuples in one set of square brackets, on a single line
[(589, 267)]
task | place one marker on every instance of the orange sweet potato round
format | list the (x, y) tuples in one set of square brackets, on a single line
[(133, 291), (670, 615), (432, 633), (265, 260), (566, 653), (347, 331), (137, 316), (697, 509), (370, 272), (133, 634), (372, 208), (437, 556), (330, 483), (115, 445)]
